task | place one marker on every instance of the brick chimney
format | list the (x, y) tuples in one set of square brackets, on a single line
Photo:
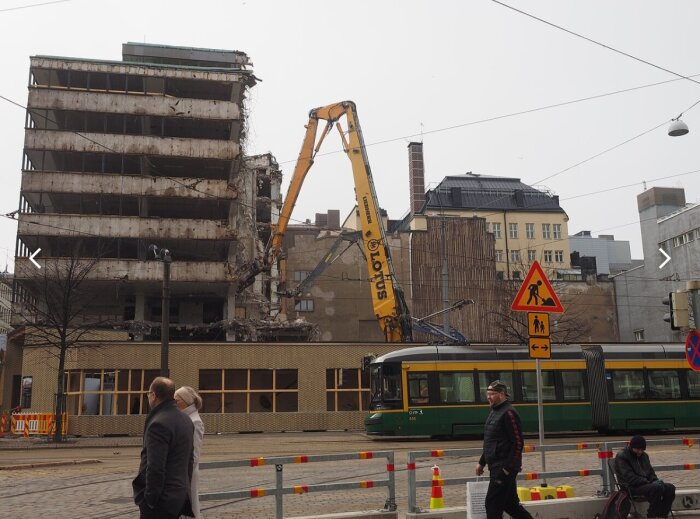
[(416, 174)]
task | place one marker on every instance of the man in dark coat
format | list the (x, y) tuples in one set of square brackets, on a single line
[(503, 453), (161, 488), (634, 471)]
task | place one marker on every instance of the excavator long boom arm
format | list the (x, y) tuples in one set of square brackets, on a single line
[(388, 300)]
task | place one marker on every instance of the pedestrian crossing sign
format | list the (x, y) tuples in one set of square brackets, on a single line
[(536, 294)]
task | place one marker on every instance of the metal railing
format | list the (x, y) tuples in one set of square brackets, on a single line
[(279, 491), (604, 449)]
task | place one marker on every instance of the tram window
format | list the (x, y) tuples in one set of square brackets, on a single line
[(375, 383), (392, 387), (418, 388), (664, 384), (628, 385), (456, 388), (572, 382), (529, 386), (485, 378), (693, 384)]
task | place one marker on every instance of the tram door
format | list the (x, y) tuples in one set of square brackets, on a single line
[(421, 417)]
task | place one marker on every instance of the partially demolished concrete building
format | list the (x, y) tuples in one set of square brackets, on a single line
[(120, 155)]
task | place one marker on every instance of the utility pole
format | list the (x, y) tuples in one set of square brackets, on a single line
[(165, 316), (164, 256)]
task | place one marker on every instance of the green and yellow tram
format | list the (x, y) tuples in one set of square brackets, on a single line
[(441, 390)]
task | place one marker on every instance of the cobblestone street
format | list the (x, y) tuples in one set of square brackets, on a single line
[(101, 486)]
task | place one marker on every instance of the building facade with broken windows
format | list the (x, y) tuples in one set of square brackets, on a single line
[(148, 150)]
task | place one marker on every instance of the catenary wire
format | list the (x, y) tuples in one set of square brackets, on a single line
[(490, 119), (595, 42), (250, 206), (486, 260), (32, 5), (219, 198)]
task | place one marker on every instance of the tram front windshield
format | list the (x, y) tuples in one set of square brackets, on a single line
[(385, 386)]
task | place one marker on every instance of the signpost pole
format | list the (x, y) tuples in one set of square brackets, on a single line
[(537, 297), (540, 418)]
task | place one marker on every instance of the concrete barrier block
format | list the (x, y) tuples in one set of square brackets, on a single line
[(570, 508), (371, 514), (458, 512)]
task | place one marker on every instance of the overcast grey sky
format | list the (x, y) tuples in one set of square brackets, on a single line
[(413, 65)]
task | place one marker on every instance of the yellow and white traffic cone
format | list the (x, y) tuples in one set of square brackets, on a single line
[(436, 500)]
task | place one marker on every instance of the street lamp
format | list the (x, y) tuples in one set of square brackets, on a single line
[(164, 256), (677, 127)]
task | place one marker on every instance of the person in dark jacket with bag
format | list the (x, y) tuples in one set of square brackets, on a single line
[(634, 471), (161, 488), (503, 450)]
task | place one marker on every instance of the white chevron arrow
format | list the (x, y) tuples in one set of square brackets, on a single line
[(31, 258), (668, 258)]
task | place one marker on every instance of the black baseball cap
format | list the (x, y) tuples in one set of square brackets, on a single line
[(498, 386)]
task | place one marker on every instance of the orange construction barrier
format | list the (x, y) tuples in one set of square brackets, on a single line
[(3, 424), (26, 429), (50, 426), (39, 423), (436, 500)]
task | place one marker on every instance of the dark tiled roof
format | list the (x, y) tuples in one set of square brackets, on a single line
[(479, 192)]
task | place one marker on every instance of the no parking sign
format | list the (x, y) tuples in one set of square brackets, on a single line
[(692, 349)]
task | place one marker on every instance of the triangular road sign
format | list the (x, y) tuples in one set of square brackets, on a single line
[(536, 294)]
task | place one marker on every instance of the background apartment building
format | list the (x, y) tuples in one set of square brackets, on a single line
[(666, 222), (602, 256), (119, 155), (527, 224)]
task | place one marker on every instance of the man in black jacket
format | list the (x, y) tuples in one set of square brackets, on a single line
[(503, 452), (635, 472), (161, 488)]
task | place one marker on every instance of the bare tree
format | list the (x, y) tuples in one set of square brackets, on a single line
[(54, 309)]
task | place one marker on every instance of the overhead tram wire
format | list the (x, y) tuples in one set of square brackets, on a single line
[(595, 42), (595, 155), (11, 215), (33, 5), (187, 186), (504, 116), (471, 123)]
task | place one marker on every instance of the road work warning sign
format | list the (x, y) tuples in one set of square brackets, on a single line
[(536, 294)]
